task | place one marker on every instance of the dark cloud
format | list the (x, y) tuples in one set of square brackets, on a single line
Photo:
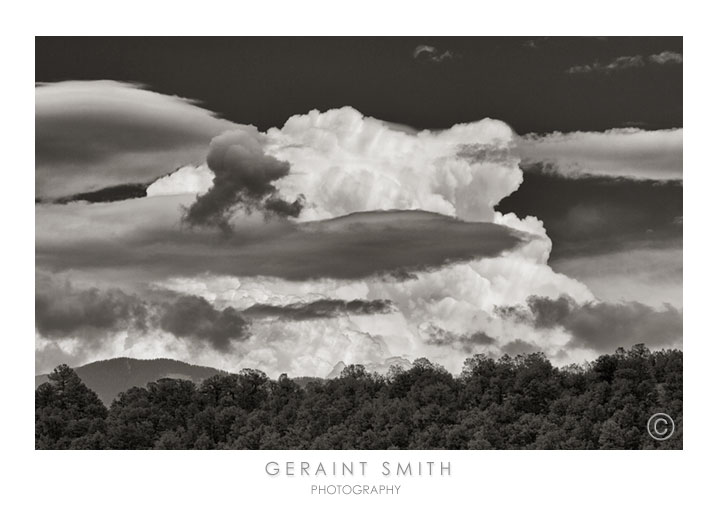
[(592, 214), (90, 135), (63, 310), (426, 53), (627, 62), (602, 326), (194, 317), (108, 194), (280, 207), (350, 247), (243, 178), (467, 342), (320, 309)]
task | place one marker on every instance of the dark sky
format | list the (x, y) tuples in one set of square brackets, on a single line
[(597, 214), (263, 81)]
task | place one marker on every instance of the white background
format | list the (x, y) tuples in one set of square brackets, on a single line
[(478, 477)]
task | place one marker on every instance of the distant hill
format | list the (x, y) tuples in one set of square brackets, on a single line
[(337, 370), (113, 376)]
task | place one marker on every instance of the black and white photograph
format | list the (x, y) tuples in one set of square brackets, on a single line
[(359, 243)]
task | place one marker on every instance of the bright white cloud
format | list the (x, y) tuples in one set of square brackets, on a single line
[(186, 180), (343, 162)]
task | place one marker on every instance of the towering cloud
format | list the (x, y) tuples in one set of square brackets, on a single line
[(343, 162)]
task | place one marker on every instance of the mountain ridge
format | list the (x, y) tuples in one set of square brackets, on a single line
[(110, 377)]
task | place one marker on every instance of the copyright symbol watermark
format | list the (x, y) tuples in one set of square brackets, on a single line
[(660, 426)]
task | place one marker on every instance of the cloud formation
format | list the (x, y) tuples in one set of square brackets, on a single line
[(628, 62), (194, 317), (467, 342), (626, 152), (62, 309), (243, 178), (394, 248), (318, 309), (108, 237), (603, 326), (107, 194), (90, 135), (343, 162)]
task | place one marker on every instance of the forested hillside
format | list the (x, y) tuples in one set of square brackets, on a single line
[(521, 402)]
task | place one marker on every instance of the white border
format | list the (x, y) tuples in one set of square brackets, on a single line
[(494, 477)]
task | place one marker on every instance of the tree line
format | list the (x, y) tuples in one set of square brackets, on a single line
[(521, 402)]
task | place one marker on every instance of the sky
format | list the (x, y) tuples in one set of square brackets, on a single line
[(289, 203)]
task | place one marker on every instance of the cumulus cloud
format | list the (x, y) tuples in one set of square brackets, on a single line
[(340, 162), (628, 62), (90, 135), (426, 53), (343, 162), (243, 178), (626, 152), (318, 309), (603, 326)]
